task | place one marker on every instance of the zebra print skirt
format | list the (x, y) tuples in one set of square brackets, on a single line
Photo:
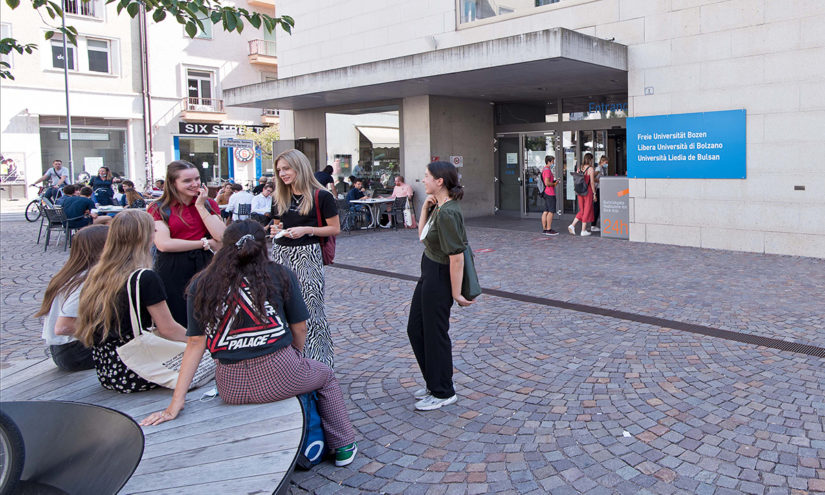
[(308, 266)]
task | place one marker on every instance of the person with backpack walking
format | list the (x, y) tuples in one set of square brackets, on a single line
[(585, 196), (549, 195)]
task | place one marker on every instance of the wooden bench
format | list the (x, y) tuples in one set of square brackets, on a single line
[(212, 447)]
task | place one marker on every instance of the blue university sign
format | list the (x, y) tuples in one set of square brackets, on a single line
[(708, 145)]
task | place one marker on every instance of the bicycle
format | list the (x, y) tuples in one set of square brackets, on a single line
[(33, 209)]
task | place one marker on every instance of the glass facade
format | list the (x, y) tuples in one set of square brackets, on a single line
[(474, 10), (92, 148)]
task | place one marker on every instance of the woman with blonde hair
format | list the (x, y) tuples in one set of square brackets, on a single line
[(188, 229), (299, 201), (103, 321), (59, 306)]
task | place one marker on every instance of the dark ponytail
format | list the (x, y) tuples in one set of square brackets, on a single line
[(242, 259), (448, 172)]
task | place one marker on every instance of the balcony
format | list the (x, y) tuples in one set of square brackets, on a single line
[(262, 4), (262, 52), (270, 116), (202, 110), (86, 8)]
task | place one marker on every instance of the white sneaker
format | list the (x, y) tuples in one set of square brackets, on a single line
[(585, 233), (431, 402), (421, 393), (595, 229), (571, 229)]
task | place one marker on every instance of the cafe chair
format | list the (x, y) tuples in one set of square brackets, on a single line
[(397, 211), (244, 211), (57, 222), (70, 447), (345, 215)]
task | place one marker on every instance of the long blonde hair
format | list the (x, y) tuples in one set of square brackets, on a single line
[(127, 249), (86, 247), (304, 183)]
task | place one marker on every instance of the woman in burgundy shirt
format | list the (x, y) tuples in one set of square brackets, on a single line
[(188, 229)]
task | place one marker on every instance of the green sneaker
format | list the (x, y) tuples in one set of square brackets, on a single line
[(345, 455)]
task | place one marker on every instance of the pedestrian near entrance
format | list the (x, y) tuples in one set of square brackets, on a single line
[(188, 229), (600, 171), (60, 301), (549, 182), (441, 229), (299, 247), (585, 214)]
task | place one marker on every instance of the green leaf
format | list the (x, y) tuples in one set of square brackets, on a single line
[(119, 8), (133, 9), (255, 20), (191, 29), (215, 16), (13, 3), (159, 15), (289, 20), (50, 35)]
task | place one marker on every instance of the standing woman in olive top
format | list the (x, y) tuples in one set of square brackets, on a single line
[(188, 229), (441, 229), (299, 248)]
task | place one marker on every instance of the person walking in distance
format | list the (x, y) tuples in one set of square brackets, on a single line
[(600, 171), (299, 200), (549, 182), (585, 214), (441, 229)]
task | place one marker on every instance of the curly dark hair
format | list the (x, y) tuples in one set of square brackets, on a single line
[(243, 257)]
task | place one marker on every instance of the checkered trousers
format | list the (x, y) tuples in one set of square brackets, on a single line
[(284, 374)]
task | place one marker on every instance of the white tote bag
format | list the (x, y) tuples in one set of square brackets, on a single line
[(154, 358)]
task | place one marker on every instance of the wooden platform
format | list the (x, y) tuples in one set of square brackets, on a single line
[(211, 447)]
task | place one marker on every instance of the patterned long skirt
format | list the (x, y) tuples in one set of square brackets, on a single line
[(308, 266)]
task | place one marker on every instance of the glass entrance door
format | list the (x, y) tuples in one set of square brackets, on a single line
[(536, 148), (508, 175)]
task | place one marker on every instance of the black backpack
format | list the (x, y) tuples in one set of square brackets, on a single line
[(580, 183)]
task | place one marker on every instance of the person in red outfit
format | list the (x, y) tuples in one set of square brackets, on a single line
[(586, 213)]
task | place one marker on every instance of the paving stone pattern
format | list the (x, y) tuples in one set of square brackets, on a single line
[(550, 400)]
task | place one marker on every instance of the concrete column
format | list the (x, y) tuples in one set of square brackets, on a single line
[(415, 142)]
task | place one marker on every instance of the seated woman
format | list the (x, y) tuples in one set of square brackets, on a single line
[(248, 311), (60, 300), (103, 321), (131, 198)]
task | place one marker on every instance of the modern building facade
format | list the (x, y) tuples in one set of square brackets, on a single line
[(141, 94), (497, 85)]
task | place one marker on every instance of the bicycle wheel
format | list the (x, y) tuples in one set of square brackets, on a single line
[(32, 211)]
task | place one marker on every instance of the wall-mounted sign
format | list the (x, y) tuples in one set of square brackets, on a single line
[(236, 143), (708, 145), (194, 128), (457, 161), (512, 158), (244, 154)]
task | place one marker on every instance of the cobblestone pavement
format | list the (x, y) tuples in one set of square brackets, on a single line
[(550, 400)]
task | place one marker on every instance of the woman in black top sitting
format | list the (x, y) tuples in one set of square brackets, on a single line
[(248, 311), (299, 248), (103, 321)]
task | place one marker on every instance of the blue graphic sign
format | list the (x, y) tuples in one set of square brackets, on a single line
[(708, 145)]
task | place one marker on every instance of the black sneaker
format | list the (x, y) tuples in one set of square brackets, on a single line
[(551, 232)]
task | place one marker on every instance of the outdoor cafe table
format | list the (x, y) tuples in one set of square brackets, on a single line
[(374, 205)]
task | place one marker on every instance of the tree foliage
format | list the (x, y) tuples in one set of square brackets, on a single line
[(263, 140), (191, 14)]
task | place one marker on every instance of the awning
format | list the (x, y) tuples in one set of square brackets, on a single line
[(528, 67), (381, 137)]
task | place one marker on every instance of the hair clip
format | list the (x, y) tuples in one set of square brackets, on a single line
[(243, 240)]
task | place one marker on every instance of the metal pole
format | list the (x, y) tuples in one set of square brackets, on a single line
[(66, 81), (147, 97)]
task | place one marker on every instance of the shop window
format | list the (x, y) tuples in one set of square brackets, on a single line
[(366, 144), (98, 51), (92, 148), (57, 54)]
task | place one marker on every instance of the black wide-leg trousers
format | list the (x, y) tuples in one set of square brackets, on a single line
[(429, 325)]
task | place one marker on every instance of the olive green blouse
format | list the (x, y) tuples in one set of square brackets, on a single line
[(446, 235)]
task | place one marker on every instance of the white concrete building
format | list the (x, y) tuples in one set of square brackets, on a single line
[(108, 88), (501, 83)]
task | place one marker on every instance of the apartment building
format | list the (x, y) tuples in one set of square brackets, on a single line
[(495, 85), (127, 78)]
